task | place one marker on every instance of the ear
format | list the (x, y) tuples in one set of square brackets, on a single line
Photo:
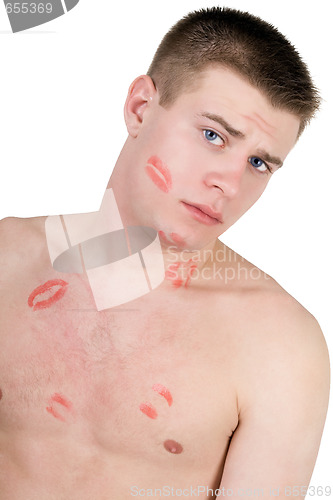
[(140, 95)]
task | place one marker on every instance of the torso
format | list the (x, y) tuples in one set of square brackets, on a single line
[(107, 404)]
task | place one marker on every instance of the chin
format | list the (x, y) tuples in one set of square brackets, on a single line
[(176, 242)]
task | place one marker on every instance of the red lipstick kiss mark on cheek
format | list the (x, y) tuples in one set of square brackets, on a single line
[(54, 409), (172, 446), (149, 410), (47, 288), (163, 391), (159, 173)]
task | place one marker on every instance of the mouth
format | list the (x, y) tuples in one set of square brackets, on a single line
[(203, 213)]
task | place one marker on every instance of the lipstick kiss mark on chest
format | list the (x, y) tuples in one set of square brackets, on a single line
[(59, 406), (148, 409), (47, 294), (163, 391)]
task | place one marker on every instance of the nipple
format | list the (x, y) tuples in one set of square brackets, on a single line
[(172, 446)]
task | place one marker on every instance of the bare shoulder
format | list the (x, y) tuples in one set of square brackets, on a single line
[(19, 227), (282, 381), (277, 327), (281, 346), (293, 330), (19, 238), (283, 319)]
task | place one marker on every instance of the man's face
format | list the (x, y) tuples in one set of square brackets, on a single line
[(204, 161)]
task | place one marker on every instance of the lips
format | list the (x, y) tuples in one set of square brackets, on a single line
[(53, 289), (159, 173), (203, 213)]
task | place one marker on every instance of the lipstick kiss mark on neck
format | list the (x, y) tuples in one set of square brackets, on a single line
[(159, 173), (180, 273)]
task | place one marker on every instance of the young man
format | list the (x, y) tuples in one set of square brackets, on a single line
[(139, 356)]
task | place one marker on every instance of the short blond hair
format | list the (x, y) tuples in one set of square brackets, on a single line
[(243, 43)]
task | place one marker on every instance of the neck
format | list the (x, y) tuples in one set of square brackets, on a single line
[(122, 260), (172, 252), (180, 264), (184, 266)]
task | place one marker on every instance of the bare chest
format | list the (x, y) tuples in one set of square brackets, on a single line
[(144, 379)]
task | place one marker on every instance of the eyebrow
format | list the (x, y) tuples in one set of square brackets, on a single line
[(266, 157), (224, 123), (275, 160)]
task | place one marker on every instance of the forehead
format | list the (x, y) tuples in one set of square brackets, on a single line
[(216, 81), (218, 90)]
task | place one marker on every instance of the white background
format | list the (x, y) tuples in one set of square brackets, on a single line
[(62, 91)]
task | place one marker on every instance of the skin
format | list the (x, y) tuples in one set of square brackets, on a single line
[(220, 173), (60, 292), (244, 365)]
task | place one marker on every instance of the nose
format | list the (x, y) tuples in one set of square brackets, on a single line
[(226, 177)]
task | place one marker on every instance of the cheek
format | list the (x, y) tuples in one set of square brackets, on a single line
[(246, 198), (257, 190), (159, 173)]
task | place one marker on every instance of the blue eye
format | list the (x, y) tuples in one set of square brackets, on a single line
[(213, 137), (259, 164)]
